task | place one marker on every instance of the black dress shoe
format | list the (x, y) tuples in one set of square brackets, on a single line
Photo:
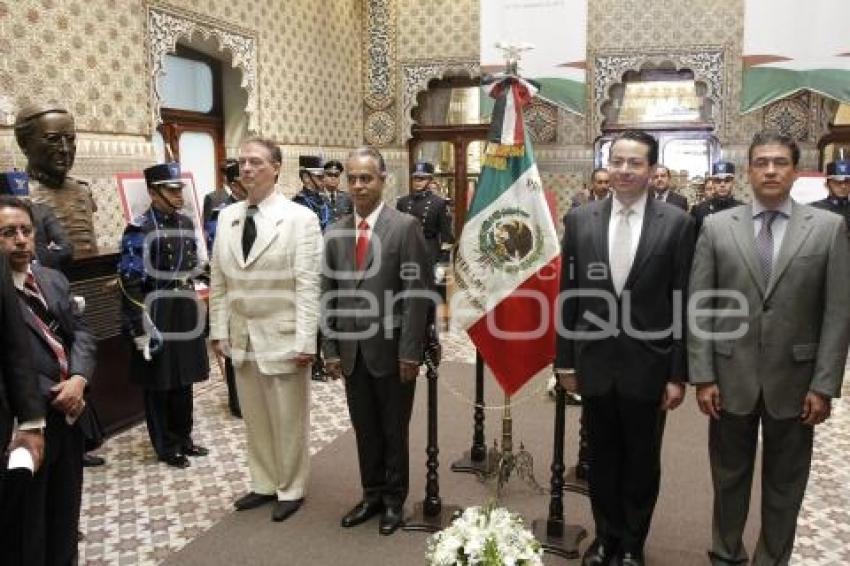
[(361, 513), (631, 559), (90, 460), (253, 500), (195, 450), (176, 460), (282, 510), (390, 520), (600, 553)]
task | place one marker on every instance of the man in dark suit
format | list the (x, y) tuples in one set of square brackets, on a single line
[(838, 185), (625, 268), (662, 188), (19, 399), (373, 320), (774, 355), (63, 355)]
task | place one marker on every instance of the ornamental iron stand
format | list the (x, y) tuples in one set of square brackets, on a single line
[(430, 515), (555, 536), (474, 460)]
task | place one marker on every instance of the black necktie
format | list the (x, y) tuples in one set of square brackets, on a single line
[(249, 232)]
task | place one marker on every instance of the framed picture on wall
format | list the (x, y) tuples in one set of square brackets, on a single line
[(135, 201)]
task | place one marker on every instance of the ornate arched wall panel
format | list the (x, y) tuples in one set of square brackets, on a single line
[(415, 77), (167, 25), (707, 63)]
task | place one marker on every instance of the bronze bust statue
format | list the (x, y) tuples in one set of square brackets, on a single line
[(48, 138)]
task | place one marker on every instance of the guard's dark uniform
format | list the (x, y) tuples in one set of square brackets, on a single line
[(156, 258), (836, 171), (710, 206), (339, 204), (315, 202), (433, 214)]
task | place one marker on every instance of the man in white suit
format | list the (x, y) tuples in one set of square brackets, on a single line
[(773, 355), (264, 314)]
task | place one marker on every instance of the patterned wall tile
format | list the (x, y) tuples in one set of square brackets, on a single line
[(89, 57), (438, 29)]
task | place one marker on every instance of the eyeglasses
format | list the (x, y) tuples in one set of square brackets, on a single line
[(9, 232)]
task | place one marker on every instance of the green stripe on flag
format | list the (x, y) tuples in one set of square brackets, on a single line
[(493, 182), (567, 93), (763, 85)]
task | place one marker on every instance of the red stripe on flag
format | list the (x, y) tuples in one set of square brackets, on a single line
[(519, 101), (514, 361)]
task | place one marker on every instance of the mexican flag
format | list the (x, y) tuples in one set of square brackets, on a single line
[(507, 265), (779, 62)]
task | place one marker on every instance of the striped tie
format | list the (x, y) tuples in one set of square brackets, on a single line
[(32, 292), (764, 243)]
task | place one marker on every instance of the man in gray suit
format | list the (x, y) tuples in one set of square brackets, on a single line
[(772, 350), (373, 322)]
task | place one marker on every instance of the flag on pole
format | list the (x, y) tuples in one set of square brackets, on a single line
[(507, 265)]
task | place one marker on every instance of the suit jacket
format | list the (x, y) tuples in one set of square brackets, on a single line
[(19, 397), (80, 343), (676, 200), (384, 302), (270, 300), (797, 327), (635, 366)]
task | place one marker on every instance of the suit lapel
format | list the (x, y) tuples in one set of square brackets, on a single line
[(267, 232), (796, 232), (742, 234), (649, 233), (601, 219), (235, 240)]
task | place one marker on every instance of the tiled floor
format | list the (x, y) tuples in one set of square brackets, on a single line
[(138, 511)]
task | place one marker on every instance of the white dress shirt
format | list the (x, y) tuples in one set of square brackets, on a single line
[(635, 223)]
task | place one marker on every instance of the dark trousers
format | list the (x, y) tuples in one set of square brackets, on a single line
[(50, 507), (786, 458), (169, 417), (624, 437), (230, 380), (380, 414)]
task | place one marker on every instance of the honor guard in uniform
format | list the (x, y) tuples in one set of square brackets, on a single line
[(339, 201), (159, 258), (213, 204), (723, 181), (838, 185), (48, 138), (311, 173), (433, 214), (431, 210)]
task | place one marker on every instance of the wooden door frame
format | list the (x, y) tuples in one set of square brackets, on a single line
[(460, 136)]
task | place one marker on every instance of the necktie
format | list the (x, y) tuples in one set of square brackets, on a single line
[(249, 231), (764, 242), (34, 295), (362, 244), (621, 252)]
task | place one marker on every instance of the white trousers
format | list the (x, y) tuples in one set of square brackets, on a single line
[(276, 412)]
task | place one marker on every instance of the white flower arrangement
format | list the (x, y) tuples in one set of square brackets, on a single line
[(485, 536)]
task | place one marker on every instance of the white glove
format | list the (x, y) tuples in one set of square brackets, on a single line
[(143, 345)]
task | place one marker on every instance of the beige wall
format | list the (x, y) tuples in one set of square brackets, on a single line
[(438, 29)]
